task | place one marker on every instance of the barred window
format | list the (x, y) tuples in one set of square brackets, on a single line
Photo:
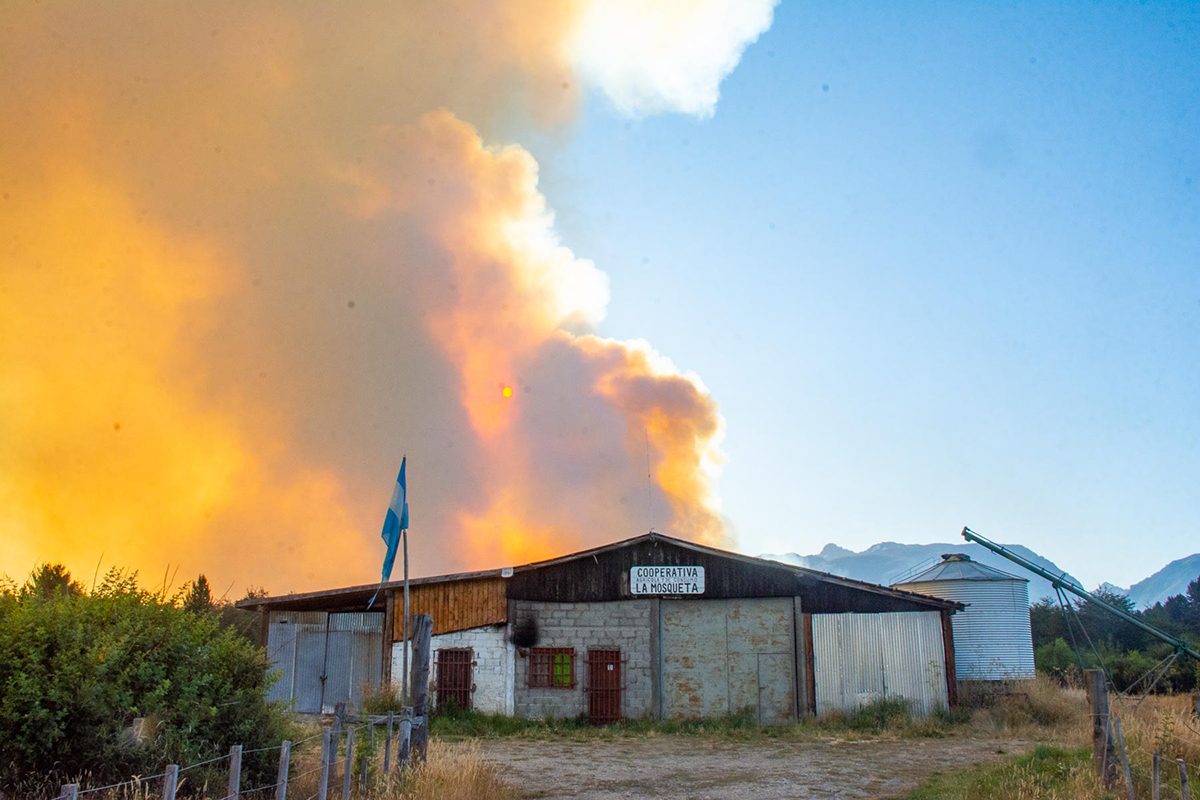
[(552, 667)]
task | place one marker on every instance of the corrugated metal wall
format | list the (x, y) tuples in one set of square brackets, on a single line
[(992, 637), (862, 658), (353, 658), (454, 605), (296, 647), (324, 659), (723, 656)]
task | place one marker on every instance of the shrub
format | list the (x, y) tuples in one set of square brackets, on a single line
[(77, 670)]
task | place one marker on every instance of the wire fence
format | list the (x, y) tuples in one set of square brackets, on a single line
[(347, 749)]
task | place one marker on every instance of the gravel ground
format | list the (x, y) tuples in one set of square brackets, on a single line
[(694, 768)]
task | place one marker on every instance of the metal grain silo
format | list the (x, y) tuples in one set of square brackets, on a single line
[(992, 640)]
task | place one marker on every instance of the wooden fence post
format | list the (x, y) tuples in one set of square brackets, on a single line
[(368, 751), (235, 771), (1156, 775), (285, 760), (170, 780), (422, 636), (1104, 754), (404, 740), (387, 745), (326, 747), (69, 791), (1184, 790), (349, 763), (1124, 758)]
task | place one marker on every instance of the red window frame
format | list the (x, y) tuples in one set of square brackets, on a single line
[(454, 680), (551, 668)]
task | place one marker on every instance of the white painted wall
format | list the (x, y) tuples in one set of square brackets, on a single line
[(494, 671)]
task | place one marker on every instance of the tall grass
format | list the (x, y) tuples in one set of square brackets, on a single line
[(1060, 717)]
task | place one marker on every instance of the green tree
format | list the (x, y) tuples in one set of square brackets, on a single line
[(77, 670), (198, 596)]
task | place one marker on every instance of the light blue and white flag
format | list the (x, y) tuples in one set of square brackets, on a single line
[(394, 521)]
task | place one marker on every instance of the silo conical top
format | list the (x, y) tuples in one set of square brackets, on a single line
[(960, 567)]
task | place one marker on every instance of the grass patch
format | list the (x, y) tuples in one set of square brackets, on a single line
[(1048, 772), (892, 718)]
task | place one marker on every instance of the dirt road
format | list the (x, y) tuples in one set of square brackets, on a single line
[(693, 768)]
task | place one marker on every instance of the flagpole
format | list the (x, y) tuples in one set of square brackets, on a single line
[(404, 678)]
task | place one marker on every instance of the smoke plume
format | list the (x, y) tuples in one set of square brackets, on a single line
[(251, 253)]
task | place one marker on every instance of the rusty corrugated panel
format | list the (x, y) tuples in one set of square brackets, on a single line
[(863, 658), (455, 605)]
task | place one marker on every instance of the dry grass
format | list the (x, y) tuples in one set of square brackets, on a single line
[(1061, 769)]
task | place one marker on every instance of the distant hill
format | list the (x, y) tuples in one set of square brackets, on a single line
[(891, 562), (1169, 581)]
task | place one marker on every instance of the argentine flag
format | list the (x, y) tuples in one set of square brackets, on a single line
[(395, 521)]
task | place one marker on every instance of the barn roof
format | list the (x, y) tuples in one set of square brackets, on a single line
[(358, 596)]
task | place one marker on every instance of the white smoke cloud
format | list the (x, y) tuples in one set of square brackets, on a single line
[(655, 56)]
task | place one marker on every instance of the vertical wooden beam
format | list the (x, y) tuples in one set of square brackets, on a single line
[(285, 761), (1185, 791), (422, 628), (387, 745), (389, 636), (326, 757), (170, 781), (349, 769), (235, 771), (951, 668), (810, 660), (656, 658), (800, 658), (1104, 754)]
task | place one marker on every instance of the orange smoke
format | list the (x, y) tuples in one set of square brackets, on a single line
[(248, 259)]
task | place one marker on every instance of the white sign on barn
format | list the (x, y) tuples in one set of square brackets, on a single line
[(666, 580)]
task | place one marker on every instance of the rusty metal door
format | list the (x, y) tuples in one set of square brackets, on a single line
[(776, 688), (604, 686), (455, 680), (695, 680), (728, 656)]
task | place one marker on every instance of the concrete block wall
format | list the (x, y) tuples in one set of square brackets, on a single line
[(493, 670), (621, 625)]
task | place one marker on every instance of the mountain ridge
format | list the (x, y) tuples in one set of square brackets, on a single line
[(893, 562)]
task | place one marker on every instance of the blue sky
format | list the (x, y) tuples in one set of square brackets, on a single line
[(939, 263)]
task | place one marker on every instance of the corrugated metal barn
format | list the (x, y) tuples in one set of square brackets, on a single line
[(650, 626)]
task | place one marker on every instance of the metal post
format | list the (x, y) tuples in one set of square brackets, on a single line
[(422, 639), (170, 780), (326, 749), (69, 791), (349, 763), (387, 745), (285, 760), (1184, 790), (404, 676), (235, 771)]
